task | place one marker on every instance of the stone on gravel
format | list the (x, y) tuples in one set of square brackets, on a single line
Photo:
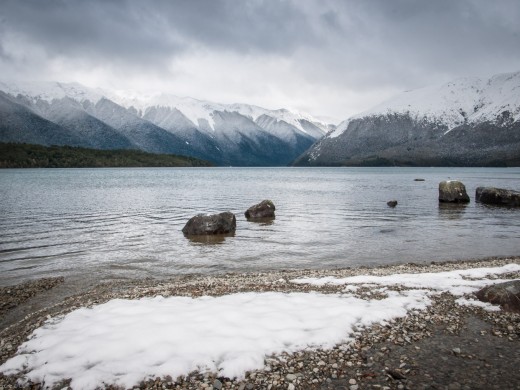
[(264, 209), (396, 374), (452, 191), (497, 196), (217, 385), (206, 224), (506, 294)]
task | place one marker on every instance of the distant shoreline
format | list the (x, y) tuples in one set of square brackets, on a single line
[(15, 155)]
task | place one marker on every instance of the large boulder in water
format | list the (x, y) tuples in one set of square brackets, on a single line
[(506, 294), (205, 224), (452, 191), (264, 209), (497, 196)]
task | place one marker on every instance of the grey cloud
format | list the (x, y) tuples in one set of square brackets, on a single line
[(342, 44), (443, 34), (98, 30), (413, 43), (157, 30)]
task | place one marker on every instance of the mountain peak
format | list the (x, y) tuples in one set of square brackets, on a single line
[(467, 121)]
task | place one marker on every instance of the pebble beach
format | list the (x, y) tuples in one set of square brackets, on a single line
[(445, 346)]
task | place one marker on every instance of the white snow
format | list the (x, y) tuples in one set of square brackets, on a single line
[(125, 341), (339, 130), (193, 109), (471, 302), (471, 100), (49, 91), (458, 282)]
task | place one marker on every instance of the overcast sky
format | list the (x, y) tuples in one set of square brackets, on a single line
[(327, 57)]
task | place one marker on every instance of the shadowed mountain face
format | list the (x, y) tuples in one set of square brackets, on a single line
[(70, 114), (19, 124), (468, 122)]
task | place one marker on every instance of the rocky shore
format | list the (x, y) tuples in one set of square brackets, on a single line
[(446, 346)]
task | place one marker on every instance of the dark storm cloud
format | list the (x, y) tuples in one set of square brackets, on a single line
[(147, 31), (359, 46), (110, 30), (441, 33)]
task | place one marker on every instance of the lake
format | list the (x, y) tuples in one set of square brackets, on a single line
[(94, 225)]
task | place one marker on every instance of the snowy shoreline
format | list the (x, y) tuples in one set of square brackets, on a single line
[(287, 308)]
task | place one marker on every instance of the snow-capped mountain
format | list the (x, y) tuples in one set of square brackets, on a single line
[(233, 134), (469, 121)]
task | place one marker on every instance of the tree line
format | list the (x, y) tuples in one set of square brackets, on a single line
[(15, 155)]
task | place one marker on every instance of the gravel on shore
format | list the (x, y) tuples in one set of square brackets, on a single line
[(447, 346)]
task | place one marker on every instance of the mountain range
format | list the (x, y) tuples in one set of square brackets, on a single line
[(53, 113), (467, 122)]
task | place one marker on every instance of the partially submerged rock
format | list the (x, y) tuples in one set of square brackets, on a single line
[(506, 294), (497, 196), (262, 210), (391, 203), (452, 191), (203, 224)]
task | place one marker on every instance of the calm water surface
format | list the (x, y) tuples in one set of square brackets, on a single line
[(96, 225)]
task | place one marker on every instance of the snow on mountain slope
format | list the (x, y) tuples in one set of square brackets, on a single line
[(197, 110), (226, 134), (49, 91), (462, 101)]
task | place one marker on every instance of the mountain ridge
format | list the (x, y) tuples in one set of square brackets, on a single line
[(468, 121), (225, 134)]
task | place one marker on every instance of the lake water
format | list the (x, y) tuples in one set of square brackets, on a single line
[(94, 225)]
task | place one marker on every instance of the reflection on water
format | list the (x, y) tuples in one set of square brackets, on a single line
[(452, 210), (210, 239), (268, 221), (104, 224)]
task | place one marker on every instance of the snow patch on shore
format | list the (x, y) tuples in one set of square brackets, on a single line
[(458, 282), (125, 341)]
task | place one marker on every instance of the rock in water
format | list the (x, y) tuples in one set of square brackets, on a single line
[(391, 203), (506, 294), (202, 224), (264, 209), (497, 196), (452, 191)]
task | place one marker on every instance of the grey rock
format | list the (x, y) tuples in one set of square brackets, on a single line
[(497, 196), (452, 191), (506, 294), (217, 385), (391, 203), (264, 209), (396, 373), (205, 224)]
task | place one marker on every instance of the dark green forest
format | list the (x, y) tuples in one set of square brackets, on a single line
[(13, 155)]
